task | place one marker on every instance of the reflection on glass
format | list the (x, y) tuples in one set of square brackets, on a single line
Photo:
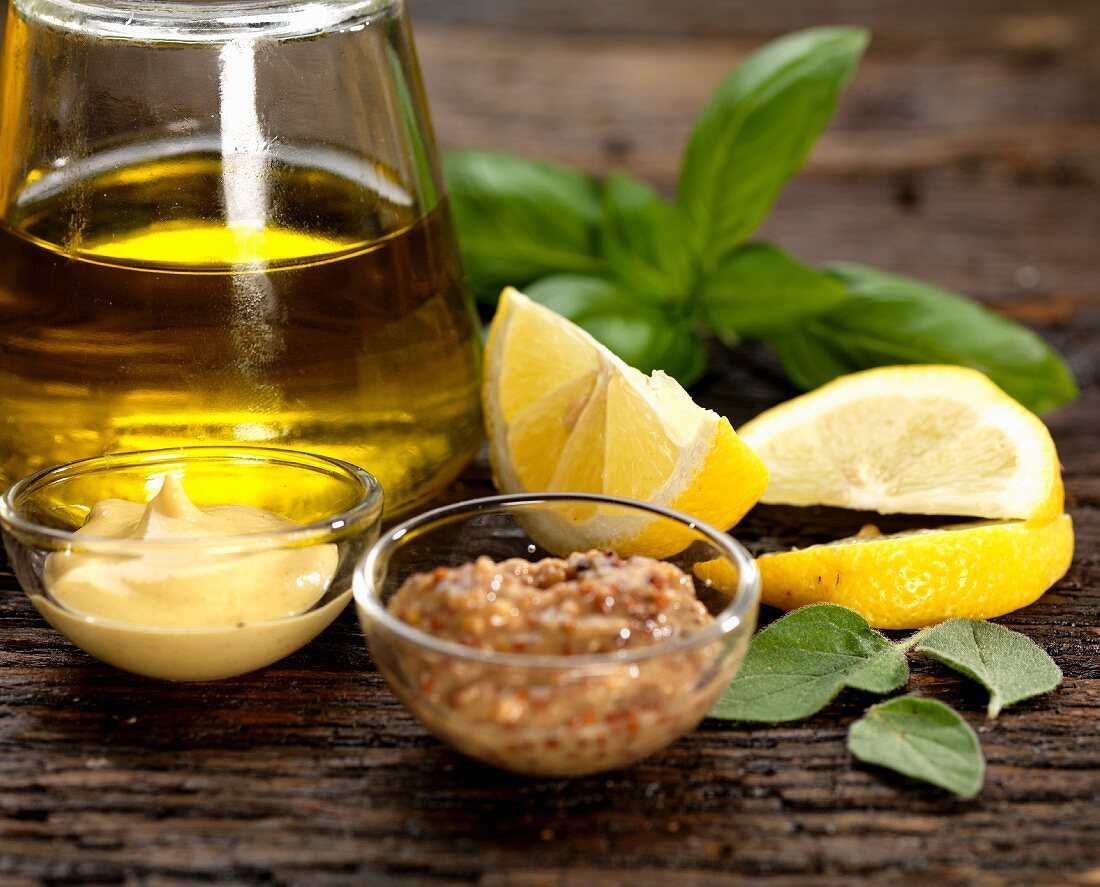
[(224, 221)]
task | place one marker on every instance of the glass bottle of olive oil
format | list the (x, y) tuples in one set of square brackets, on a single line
[(259, 283)]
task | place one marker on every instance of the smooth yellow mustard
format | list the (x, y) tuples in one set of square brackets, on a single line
[(186, 614)]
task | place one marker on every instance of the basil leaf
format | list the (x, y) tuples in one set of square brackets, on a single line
[(889, 319), (799, 663), (761, 289), (757, 130), (643, 241), (518, 220), (1008, 664), (645, 336), (921, 738), (809, 358)]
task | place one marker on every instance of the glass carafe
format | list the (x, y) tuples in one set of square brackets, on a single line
[(225, 221)]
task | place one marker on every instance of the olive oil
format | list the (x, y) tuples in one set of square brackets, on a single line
[(323, 313)]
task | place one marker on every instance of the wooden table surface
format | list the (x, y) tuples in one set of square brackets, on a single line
[(967, 152)]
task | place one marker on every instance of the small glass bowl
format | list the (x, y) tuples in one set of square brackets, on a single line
[(336, 504), (555, 715)]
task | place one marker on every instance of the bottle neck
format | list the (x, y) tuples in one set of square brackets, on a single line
[(203, 21)]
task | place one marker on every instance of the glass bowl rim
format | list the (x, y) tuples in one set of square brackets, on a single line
[(229, 629), (734, 615), (367, 509)]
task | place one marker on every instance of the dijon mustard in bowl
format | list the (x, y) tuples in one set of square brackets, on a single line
[(547, 662), (191, 564)]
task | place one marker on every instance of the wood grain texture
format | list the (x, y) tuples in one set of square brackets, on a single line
[(965, 153)]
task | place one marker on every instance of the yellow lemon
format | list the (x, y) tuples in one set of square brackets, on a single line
[(918, 578), (912, 439), (563, 413)]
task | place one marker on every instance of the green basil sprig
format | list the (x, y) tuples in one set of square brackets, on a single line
[(651, 278), (889, 319), (519, 220), (758, 129)]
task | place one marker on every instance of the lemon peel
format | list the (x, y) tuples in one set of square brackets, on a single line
[(563, 413)]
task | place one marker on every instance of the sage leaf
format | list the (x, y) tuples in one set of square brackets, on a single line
[(645, 336), (921, 738), (884, 672), (1009, 665), (757, 130), (888, 319), (643, 241), (799, 663), (518, 219), (760, 289)]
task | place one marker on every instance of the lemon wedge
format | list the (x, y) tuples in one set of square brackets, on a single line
[(563, 413), (922, 577), (912, 439)]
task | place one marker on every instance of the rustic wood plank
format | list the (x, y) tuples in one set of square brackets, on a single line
[(599, 101), (310, 772), (984, 25), (925, 175)]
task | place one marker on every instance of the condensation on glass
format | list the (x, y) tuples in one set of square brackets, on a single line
[(225, 221)]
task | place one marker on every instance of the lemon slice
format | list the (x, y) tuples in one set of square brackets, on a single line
[(922, 577), (913, 439), (565, 414)]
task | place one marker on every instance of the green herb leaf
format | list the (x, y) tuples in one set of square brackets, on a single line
[(921, 738), (884, 672), (799, 663), (888, 319), (1008, 664), (809, 357), (518, 220), (760, 289), (643, 241), (645, 336), (757, 130)]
